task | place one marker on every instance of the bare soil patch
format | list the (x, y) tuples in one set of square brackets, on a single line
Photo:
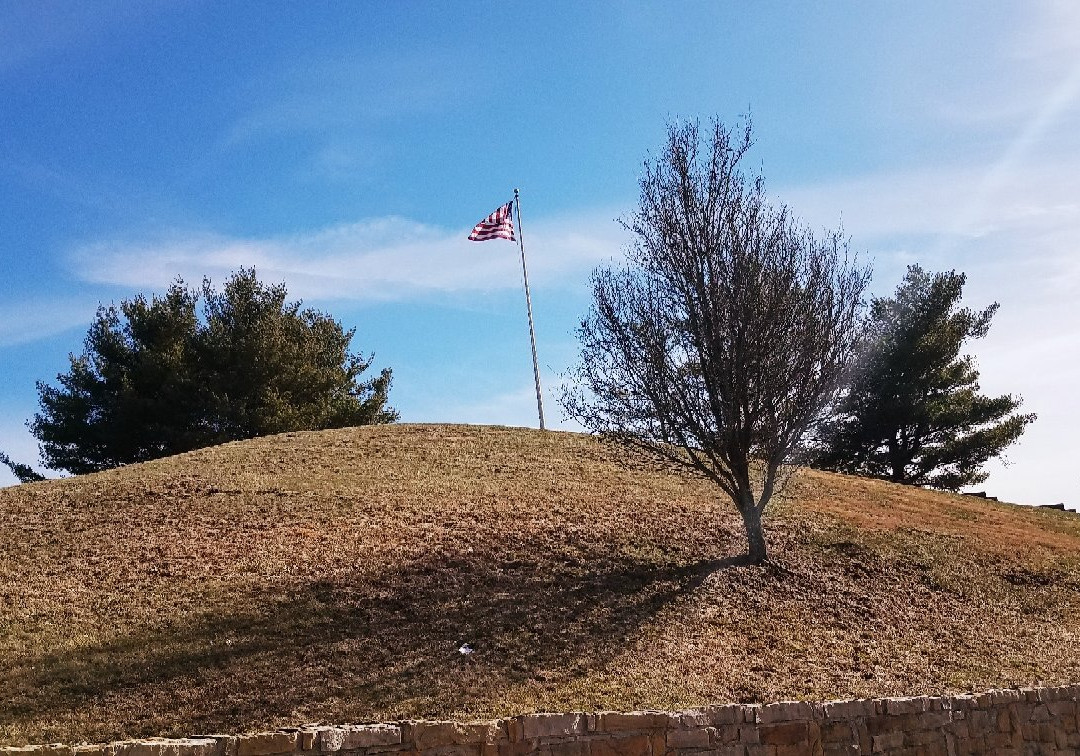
[(333, 577)]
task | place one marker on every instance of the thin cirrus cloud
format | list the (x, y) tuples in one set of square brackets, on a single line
[(336, 91), (27, 321), (376, 260)]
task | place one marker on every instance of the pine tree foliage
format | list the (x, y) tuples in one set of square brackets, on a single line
[(719, 343), (913, 413), (25, 473), (156, 379)]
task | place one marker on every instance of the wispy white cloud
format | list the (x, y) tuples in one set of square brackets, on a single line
[(374, 260), (29, 320), (1015, 75), (331, 91), (1049, 36), (952, 203)]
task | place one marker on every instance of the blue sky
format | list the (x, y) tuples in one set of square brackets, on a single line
[(347, 149)]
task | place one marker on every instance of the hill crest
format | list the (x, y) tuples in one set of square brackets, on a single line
[(333, 576)]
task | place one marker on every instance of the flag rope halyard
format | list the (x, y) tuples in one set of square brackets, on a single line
[(528, 306)]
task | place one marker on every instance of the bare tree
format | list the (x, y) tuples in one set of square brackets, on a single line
[(727, 332)]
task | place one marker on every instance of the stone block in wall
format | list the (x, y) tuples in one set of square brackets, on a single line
[(964, 702), (689, 719), (913, 705), (370, 736), (787, 733), (1055, 694), (749, 734), (1002, 721), (840, 749), (877, 725), (920, 738), (1015, 723), (261, 744), (552, 725), (224, 745), (196, 747), (839, 733), (447, 750), (726, 734), (863, 707), (785, 711), (330, 739), (135, 748), (426, 735), (999, 741), (958, 728), (613, 721), (864, 737), (1062, 709), (203, 746), (928, 720), (1004, 697), (689, 738), (1039, 713), (887, 741), (939, 703), (561, 747), (725, 715), (980, 722), (1061, 739), (728, 751), (99, 749), (517, 748), (57, 749), (632, 745), (795, 749)]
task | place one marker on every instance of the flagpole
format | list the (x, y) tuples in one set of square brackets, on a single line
[(528, 306)]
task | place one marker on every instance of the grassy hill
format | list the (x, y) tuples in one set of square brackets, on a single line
[(333, 576)]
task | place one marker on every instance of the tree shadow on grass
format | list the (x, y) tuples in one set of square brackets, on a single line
[(341, 649)]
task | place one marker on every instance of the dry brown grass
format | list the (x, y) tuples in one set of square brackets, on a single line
[(332, 577)]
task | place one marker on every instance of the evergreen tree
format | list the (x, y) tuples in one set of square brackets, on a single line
[(913, 413), (155, 379), (25, 473)]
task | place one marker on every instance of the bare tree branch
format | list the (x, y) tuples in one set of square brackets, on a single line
[(719, 344)]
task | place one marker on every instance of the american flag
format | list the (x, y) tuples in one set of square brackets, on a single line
[(498, 225)]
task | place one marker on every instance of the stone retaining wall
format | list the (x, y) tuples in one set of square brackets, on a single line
[(1034, 721)]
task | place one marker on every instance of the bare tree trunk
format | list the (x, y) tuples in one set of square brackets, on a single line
[(755, 535)]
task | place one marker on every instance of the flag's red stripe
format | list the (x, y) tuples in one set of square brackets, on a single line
[(498, 225)]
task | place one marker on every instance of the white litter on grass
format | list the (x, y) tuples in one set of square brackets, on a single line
[(465, 649)]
